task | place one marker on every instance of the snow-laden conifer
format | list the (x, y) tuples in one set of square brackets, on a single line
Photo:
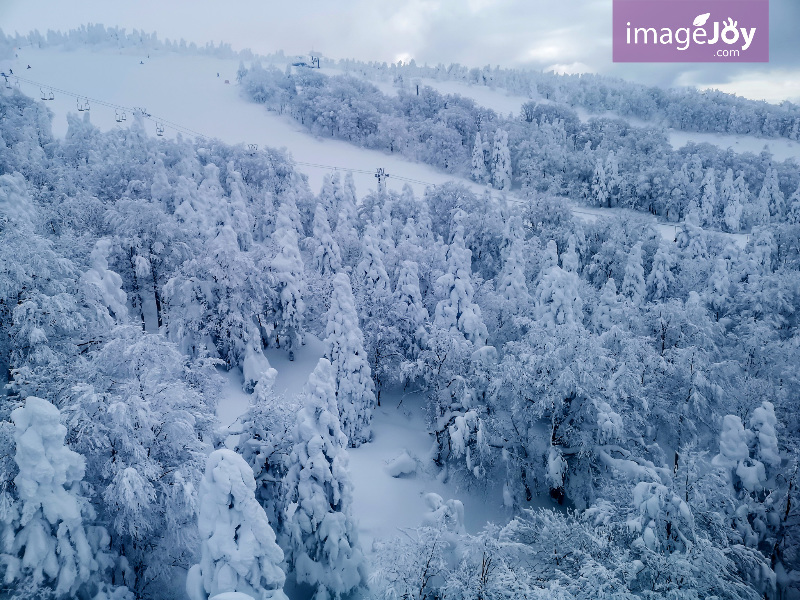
[(323, 541)]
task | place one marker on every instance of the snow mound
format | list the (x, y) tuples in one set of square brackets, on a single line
[(403, 464)]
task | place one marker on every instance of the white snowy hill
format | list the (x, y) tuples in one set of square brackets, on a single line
[(184, 93)]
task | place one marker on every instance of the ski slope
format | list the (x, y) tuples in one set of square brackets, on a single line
[(184, 90)]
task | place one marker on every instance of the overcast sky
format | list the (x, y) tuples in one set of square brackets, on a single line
[(566, 35)]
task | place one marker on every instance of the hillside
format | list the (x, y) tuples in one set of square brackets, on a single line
[(552, 356)]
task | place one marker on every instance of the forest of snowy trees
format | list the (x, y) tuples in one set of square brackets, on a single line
[(646, 389), (546, 148)]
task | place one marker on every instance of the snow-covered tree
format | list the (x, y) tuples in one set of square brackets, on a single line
[(557, 295), (771, 197), (731, 200), (323, 542), (142, 416), (374, 298), (344, 347), (456, 311), (409, 312), (608, 311), (633, 284), (512, 284), (345, 233), (661, 278), (710, 200), (237, 544), (287, 268), (613, 179), (794, 207), (105, 285), (599, 187), (48, 546), (479, 172), (326, 255), (501, 161)]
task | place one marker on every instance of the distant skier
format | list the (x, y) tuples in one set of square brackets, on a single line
[(217, 74), (11, 71), (29, 66), (141, 62)]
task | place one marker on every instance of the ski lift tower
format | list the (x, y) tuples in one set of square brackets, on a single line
[(381, 176), (314, 57)]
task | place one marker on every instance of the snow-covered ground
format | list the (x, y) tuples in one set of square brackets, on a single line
[(497, 99), (383, 504)]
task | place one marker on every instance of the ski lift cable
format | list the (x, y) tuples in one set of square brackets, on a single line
[(186, 130)]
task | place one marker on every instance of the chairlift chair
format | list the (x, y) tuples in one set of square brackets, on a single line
[(159, 129), (253, 148), (80, 106), (117, 116), (51, 95)]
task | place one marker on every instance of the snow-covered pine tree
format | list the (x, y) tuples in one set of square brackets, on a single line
[(771, 197), (238, 548), (710, 200), (344, 347), (557, 296), (731, 203), (323, 542), (501, 161), (346, 234), (608, 311), (374, 299), (512, 285), (661, 279), (479, 172), (456, 311), (47, 549), (327, 195), (599, 186), (409, 312), (265, 443), (613, 179), (732, 213), (326, 254), (794, 207), (287, 268), (633, 284)]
